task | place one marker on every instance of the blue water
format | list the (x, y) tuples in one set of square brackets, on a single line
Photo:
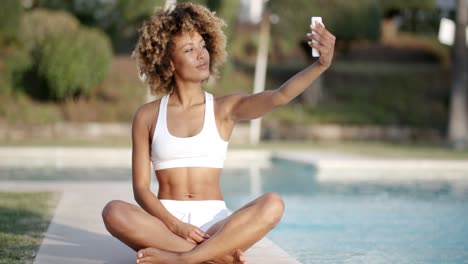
[(333, 223), (360, 223)]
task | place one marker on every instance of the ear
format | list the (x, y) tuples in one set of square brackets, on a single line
[(172, 65)]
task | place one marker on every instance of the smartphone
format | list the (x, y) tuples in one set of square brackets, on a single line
[(314, 21)]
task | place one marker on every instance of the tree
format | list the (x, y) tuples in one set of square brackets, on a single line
[(458, 127)]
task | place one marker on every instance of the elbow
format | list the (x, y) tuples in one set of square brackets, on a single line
[(137, 198), (138, 195), (280, 99)]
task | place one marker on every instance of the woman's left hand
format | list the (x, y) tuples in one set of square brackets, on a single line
[(325, 44)]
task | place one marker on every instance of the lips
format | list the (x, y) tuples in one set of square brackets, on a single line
[(203, 66)]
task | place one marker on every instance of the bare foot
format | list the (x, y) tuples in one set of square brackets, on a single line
[(156, 256), (236, 258), (239, 257)]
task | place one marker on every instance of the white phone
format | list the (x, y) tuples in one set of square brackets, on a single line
[(314, 21)]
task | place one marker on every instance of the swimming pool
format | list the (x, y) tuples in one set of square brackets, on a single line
[(331, 222), (358, 222)]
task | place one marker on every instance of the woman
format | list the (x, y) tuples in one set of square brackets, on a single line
[(185, 136)]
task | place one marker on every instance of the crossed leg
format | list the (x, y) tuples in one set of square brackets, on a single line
[(138, 229), (239, 231)]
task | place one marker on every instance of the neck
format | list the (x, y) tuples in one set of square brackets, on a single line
[(187, 95)]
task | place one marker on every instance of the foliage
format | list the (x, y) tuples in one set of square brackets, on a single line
[(355, 21), (348, 20), (408, 4), (39, 23), (17, 61), (372, 93), (74, 62), (10, 16), (417, 16), (351, 20), (114, 100), (32, 29), (120, 19), (116, 18), (56, 56), (11, 59)]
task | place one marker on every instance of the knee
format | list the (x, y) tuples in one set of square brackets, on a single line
[(111, 213), (273, 209)]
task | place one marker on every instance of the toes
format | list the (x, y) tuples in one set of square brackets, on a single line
[(141, 253), (144, 260), (240, 256), (147, 252)]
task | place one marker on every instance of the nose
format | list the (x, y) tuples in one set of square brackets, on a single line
[(201, 53)]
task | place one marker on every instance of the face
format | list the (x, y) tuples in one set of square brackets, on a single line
[(190, 59)]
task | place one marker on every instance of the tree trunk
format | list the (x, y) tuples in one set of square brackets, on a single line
[(458, 127), (260, 72)]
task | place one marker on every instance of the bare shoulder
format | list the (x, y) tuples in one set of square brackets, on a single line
[(146, 114)]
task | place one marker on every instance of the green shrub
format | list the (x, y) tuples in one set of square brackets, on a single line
[(37, 24), (20, 58), (10, 17), (16, 61), (75, 62)]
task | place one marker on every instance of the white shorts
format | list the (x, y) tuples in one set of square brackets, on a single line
[(202, 214)]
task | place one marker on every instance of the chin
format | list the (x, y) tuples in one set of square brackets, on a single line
[(200, 77), (205, 77)]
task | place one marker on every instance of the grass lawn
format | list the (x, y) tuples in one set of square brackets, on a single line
[(24, 217)]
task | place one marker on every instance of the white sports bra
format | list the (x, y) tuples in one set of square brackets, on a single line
[(206, 149)]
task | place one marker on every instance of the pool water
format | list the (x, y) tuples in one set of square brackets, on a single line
[(358, 223), (332, 222)]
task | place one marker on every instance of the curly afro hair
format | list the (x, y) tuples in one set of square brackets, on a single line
[(155, 43)]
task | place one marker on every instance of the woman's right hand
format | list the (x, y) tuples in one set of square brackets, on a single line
[(190, 232)]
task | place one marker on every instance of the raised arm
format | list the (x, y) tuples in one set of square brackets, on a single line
[(245, 107)]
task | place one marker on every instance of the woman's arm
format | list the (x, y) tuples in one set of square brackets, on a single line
[(242, 107), (141, 178), (141, 169)]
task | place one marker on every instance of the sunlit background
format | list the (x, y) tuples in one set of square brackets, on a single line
[(371, 160), (66, 65)]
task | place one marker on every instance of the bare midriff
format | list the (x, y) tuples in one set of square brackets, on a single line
[(189, 184)]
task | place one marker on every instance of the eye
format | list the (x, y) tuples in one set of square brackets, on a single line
[(188, 50)]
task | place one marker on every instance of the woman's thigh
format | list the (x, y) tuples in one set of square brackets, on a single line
[(261, 202), (138, 229)]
